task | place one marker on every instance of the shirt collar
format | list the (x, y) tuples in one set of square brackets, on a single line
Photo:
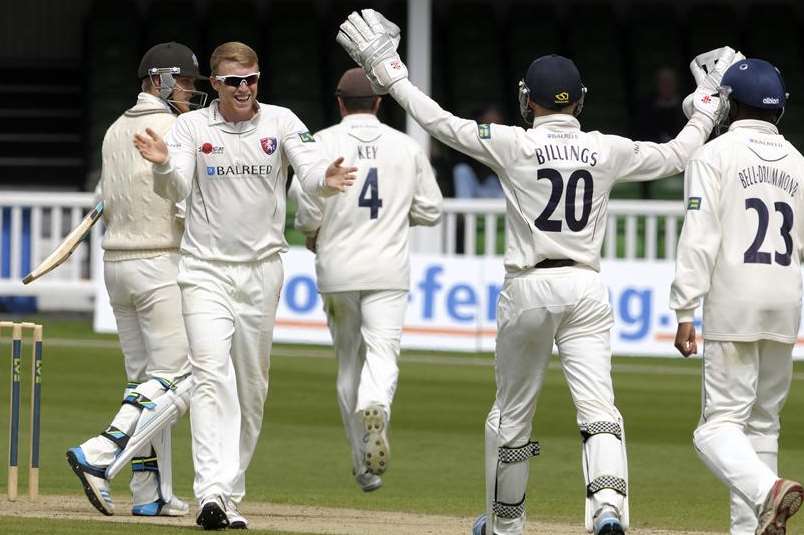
[(360, 118), (560, 120), (215, 117), (761, 126), (147, 99)]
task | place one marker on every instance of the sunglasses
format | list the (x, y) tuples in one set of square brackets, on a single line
[(234, 80)]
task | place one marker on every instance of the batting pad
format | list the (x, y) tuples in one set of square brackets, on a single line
[(164, 412)]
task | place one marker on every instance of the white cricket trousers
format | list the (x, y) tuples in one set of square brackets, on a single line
[(366, 327), (147, 306), (229, 311), (568, 305), (744, 387), (146, 302)]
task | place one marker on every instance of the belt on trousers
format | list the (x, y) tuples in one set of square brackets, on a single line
[(550, 263)]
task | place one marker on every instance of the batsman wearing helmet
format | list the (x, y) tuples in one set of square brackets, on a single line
[(556, 179), (141, 257), (743, 229)]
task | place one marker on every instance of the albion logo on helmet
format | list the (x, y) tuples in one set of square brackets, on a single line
[(562, 98), (770, 100)]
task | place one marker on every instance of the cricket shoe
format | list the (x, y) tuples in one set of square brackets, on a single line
[(783, 501), (236, 519), (93, 479), (376, 451), (212, 514), (607, 521), (479, 527), (173, 507), (368, 481)]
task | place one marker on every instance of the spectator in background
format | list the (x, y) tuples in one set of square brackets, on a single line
[(472, 180), (659, 117)]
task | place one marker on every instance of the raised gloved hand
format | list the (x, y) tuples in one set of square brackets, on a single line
[(371, 41), (707, 69)]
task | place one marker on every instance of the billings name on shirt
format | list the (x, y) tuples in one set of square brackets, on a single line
[(547, 153), (766, 174), (239, 170)]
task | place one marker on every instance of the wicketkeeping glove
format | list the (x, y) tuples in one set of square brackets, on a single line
[(371, 41), (707, 69)]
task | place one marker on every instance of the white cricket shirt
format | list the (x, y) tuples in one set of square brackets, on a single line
[(362, 239), (556, 178), (235, 176), (740, 247)]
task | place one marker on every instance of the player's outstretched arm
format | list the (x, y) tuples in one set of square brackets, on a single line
[(641, 160), (371, 40), (315, 175)]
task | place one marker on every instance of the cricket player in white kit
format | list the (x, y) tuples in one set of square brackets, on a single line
[(361, 243), (141, 257), (743, 229), (556, 180), (230, 162)]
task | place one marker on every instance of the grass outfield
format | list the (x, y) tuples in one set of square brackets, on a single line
[(437, 435)]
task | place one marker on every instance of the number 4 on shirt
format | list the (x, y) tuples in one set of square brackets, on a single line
[(370, 194)]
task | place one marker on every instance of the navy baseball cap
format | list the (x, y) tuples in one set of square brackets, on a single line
[(756, 83), (554, 82)]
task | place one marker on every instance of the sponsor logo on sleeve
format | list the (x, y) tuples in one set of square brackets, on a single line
[(268, 145), (484, 131), (694, 203), (306, 137)]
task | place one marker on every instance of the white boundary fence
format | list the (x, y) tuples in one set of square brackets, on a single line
[(33, 223)]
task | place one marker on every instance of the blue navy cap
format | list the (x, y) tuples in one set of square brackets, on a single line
[(757, 83), (554, 82)]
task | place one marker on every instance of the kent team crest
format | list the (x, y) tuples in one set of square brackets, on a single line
[(268, 145)]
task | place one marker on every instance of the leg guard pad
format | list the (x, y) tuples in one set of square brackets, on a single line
[(166, 410), (508, 507), (605, 469)]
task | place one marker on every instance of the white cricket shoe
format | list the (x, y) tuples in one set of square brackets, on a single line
[(173, 507), (376, 450), (368, 481), (93, 479), (607, 521), (236, 519), (783, 501)]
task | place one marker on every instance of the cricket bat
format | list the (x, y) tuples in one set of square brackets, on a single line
[(67, 246)]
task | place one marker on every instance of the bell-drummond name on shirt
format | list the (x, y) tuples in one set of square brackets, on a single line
[(767, 174)]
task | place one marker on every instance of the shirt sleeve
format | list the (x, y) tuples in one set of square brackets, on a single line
[(484, 142), (645, 160), (306, 158), (427, 199), (700, 240), (309, 210), (173, 179)]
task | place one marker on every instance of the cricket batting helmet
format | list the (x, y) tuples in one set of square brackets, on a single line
[(756, 83), (552, 82), (164, 62)]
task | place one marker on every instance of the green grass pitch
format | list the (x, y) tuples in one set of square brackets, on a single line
[(436, 434)]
